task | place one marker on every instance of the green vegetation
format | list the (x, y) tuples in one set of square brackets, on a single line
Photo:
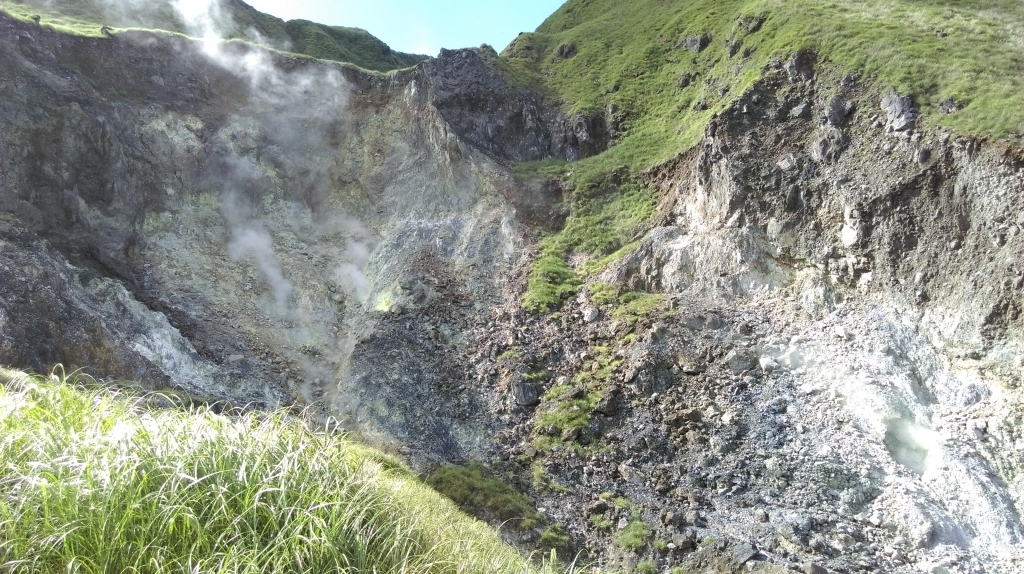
[(646, 567), (629, 306), (478, 492), (543, 482), (569, 406), (97, 480), (511, 354), (634, 305), (555, 537), (87, 17), (605, 220), (599, 522), (342, 44), (634, 536), (629, 55)]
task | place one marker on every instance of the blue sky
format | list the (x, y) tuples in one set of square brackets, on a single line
[(423, 27)]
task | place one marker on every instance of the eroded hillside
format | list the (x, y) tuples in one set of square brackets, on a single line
[(783, 331)]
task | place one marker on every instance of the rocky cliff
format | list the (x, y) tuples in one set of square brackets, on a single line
[(810, 358)]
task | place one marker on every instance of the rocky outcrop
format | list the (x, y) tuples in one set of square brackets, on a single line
[(506, 121), (812, 361), (245, 226), (839, 333)]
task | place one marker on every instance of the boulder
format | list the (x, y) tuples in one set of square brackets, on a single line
[(566, 51), (525, 392), (899, 110), (739, 360), (695, 43), (829, 144), (800, 67), (801, 111), (837, 111)]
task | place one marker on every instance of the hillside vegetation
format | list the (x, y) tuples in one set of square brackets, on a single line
[(635, 56), (96, 480), (629, 54), (237, 20)]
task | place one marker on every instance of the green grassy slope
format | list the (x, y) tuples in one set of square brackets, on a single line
[(93, 480), (628, 54), (971, 50), (351, 45)]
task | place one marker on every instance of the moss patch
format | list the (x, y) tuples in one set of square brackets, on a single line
[(605, 219), (634, 536), (478, 492)]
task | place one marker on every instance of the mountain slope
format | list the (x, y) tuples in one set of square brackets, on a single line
[(230, 18), (634, 56)]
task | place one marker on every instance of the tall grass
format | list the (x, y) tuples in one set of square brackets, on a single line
[(93, 480)]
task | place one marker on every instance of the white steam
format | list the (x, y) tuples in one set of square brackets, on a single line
[(253, 241), (350, 274)]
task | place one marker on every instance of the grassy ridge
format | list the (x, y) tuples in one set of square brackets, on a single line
[(241, 21), (95, 481), (629, 54), (971, 50)]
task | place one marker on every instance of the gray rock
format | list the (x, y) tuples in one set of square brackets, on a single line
[(598, 506), (768, 364), (750, 23), (695, 43), (949, 106), (837, 111), (694, 518), (899, 110), (829, 144), (800, 66), (739, 360), (590, 314), (743, 552), (566, 51), (525, 392), (814, 568), (802, 110), (609, 404)]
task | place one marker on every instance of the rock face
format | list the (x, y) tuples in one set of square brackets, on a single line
[(827, 376), (505, 121), (842, 326), (248, 205)]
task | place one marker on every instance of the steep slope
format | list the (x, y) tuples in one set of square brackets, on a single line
[(667, 67), (697, 278), (128, 484), (246, 225), (229, 18)]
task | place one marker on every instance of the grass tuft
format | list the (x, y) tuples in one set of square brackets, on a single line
[(478, 492), (95, 480), (634, 536)]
